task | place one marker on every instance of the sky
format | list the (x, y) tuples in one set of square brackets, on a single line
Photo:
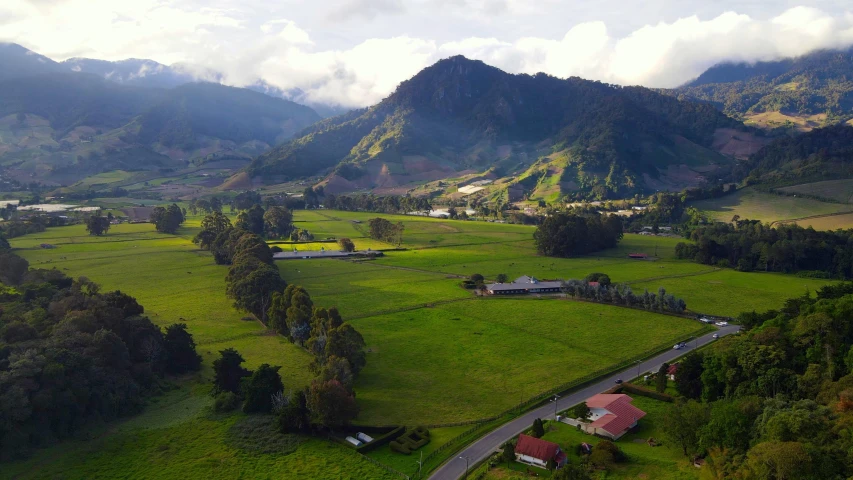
[(355, 52)]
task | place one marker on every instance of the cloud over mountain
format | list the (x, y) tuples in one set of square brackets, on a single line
[(338, 58)]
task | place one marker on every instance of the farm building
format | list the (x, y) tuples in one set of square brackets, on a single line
[(612, 415), (638, 256), (295, 255), (538, 452), (523, 285)]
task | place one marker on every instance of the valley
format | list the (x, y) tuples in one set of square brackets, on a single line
[(437, 354)]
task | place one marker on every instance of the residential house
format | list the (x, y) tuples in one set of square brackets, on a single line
[(524, 285), (671, 371), (538, 452), (612, 415)]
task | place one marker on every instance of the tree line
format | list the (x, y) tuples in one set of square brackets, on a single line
[(380, 204), (255, 285), (749, 245), (385, 230), (568, 235), (776, 402), (621, 294), (71, 355)]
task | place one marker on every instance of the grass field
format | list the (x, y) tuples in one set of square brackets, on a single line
[(767, 207), (840, 191), (179, 438), (437, 354)]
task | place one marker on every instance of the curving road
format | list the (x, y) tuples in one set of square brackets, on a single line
[(454, 468)]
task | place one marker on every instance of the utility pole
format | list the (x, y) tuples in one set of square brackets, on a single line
[(420, 464), (638, 362), (555, 405), (466, 466)]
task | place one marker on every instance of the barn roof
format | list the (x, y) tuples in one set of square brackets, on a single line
[(536, 448), (622, 414)]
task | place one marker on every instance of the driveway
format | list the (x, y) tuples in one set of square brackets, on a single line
[(485, 446)]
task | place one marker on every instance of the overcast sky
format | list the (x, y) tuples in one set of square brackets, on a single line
[(355, 52)]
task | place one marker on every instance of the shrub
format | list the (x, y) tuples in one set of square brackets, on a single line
[(608, 446), (225, 402), (275, 249), (412, 440)]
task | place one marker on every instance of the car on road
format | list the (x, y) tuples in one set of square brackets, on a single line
[(706, 320), (716, 335), (677, 346), (618, 381), (722, 324)]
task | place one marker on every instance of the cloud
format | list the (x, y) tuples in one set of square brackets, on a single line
[(365, 9), (230, 44)]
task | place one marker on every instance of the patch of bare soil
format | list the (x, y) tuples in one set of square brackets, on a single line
[(734, 143), (138, 214)]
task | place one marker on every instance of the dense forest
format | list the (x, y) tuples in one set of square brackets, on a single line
[(750, 245), (816, 83), (776, 402), (821, 154), (71, 356), (569, 235)]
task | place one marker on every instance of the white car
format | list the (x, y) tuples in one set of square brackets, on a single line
[(716, 336), (722, 324), (677, 346), (706, 320)]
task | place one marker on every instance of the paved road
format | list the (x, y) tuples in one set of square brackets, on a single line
[(485, 446)]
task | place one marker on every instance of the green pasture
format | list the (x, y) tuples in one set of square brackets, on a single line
[(473, 359), (832, 222), (182, 440), (840, 191), (729, 292), (767, 207)]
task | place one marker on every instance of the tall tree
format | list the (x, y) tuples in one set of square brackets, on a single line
[(682, 424), (251, 220), (180, 348), (661, 378), (259, 388), (228, 372), (278, 222), (97, 224), (688, 377), (167, 219), (330, 404), (211, 226)]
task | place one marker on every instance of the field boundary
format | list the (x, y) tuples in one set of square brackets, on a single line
[(810, 217)]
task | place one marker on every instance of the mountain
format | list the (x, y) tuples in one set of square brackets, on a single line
[(462, 117), (821, 154), (150, 74), (19, 62), (135, 72), (59, 125), (804, 92)]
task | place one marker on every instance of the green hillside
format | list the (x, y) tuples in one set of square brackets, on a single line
[(812, 90), (455, 115)]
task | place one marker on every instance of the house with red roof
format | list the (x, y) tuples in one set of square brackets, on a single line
[(612, 415), (538, 452)]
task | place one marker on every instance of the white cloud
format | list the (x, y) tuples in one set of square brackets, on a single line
[(357, 63)]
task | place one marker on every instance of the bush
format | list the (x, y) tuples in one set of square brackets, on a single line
[(225, 402), (275, 249), (645, 392), (412, 440), (610, 447)]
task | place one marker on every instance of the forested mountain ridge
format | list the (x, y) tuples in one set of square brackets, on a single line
[(817, 87), (60, 125), (461, 115), (821, 154)]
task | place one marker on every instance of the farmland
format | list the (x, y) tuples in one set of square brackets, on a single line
[(753, 205), (437, 354)]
